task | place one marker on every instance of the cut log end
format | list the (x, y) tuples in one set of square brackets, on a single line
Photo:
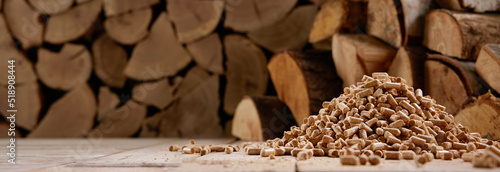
[(129, 28), (481, 116), (442, 33), (110, 60), (488, 65)]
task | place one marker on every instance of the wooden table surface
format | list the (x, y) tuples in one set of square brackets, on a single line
[(153, 155)]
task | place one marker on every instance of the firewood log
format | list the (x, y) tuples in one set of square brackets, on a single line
[(482, 116), (150, 126), (447, 82), (159, 55), (259, 118), (290, 33), (488, 65), (459, 34), (207, 52), (246, 71), (24, 68), (194, 19), (27, 103), (356, 55), (109, 61), (195, 114), (24, 23), (129, 28), (157, 93), (51, 7), (115, 7), (107, 101), (328, 21), (476, 6), (65, 69), (122, 122), (303, 80), (414, 18), (244, 16), (194, 77), (384, 22), (72, 24), (60, 121), (409, 65)]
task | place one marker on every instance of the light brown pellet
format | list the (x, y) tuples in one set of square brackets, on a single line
[(252, 151), (267, 152), (204, 151), (457, 145), (217, 148), (409, 155), (364, 93), (296, 151), (392, 155), (417, 141), (173, 148), (188, 150), (288, 150), (349, 160), (467, 157), (363, 159), (407, 106), (228, 150), (304, 155), (374, 160), (447, 145), (447, 155), (318, 152), (351, 131), (392, 140)]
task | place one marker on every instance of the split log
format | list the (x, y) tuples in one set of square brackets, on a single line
[(244, 16), (303, 80), (150, 126), (475, 5), (446, 82), (207, 52), (28, 104), (110, 60), (246, 71), (107, 101), (157, 93), (115, 7), (24, 23), (409, 65), (123, 122), (482, 116), (195, 114), (414, 17), (129, 28), (159, 55), (290, 33), (194, 77), (51, 7), (459, 34), (194, 19), (356, 55), (70, 116), (72, 24), (259, 118), (384, 22), (24, 67), (488, 65), (478, 87), (66, 69), (328, 21)]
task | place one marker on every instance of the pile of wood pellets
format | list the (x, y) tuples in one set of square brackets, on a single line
[(380, 117)]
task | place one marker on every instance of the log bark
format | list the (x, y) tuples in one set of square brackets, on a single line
[(303, 80), (72, 24), (480, 6), (24, 23), (409, 65), (384, 22), (244, 16), (356, 55), (207, 52), (328, 21), (259, 118), (129, 28), (290, 33), (115, 7), (110, 60), (246, 71), (157, 93), (28, 103), (446, 82), (51, 7), (195, 114), (122, 122), (70, 116), (24, 67), (482, 116), (459, 34), (107, 102), (488, 65), (194, 19), (159, 55), (414, 17), (66, 69)]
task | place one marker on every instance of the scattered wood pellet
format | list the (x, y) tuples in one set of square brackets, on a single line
[(253, 151), (191, 142), (173, 148), (349, 160), (188, 150), (229, 150), (267, 152)]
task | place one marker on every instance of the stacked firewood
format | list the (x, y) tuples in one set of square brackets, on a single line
[(448, 48)]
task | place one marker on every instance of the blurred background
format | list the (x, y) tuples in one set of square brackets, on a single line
[(225, 68)]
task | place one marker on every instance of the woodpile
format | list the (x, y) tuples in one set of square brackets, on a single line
[(176, 68)]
